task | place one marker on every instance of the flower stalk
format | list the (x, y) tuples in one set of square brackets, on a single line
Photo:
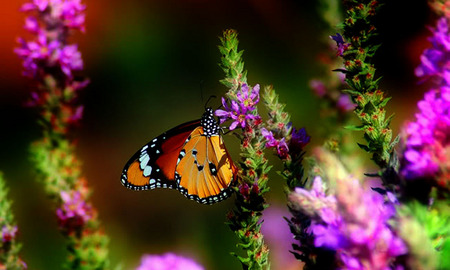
[(53, 65), (9, 245), (251, 187)]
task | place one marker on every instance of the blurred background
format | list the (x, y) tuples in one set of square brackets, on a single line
[(153, 65)]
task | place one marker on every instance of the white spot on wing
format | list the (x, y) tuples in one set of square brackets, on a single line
[(147, 170), (144, 161)]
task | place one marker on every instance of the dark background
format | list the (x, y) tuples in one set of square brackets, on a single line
[(152, 65)]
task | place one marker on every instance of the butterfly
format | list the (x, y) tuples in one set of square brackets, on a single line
[(190, 158)]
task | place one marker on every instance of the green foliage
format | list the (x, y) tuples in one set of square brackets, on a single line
[(426, 231), (9, 248), (360, 76), (231, 61)]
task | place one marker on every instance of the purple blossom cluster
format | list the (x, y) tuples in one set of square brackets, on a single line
[(427, 139), (8, 233), (241, 110), (353, 222), (74, 212), (435, 61), (168, 261), (342, 46), (299, 139), (51, 24)]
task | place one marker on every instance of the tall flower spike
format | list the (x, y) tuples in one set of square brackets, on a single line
[(52, 63), (356, 48), (244, 219), (427, 139)]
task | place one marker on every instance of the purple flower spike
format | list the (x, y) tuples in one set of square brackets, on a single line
[(342, 45), (168, 261)]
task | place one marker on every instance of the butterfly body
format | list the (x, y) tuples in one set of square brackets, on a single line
[(190, 158)]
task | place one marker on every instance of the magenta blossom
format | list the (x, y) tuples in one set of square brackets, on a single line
[(427, 140), (51, 21), (248, 97), (168, 261), (281, 146), (8, 233), (68, 13), (345, 104), (318, 87), (240, 110), (299, 140), (342, 45), (74, 212), (435, 61)]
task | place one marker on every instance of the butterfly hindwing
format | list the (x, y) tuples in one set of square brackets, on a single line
[(205, 170), (153, 166)]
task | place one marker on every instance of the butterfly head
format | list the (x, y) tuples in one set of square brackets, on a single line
[(209, 123)]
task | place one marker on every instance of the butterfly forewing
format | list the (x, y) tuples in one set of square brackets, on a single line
[(153, 166)]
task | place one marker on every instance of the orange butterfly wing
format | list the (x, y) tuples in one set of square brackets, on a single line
[(205, 170)]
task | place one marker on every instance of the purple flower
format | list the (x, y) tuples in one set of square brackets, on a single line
[(354, 223), (345, 104), (281, 146), (342, 45), (318, 87), (427, 140), (299, 140), (241, 110), (248, 98), (70, 59), (74, 212), (68, 13), (8, 233), (435, 61), (168, 261)]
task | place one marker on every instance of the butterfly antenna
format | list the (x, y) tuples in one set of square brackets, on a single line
[(210, 97), (202, 82)]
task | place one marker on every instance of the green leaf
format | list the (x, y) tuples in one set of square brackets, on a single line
[(355, 128), (384, 102), (364, 147)]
